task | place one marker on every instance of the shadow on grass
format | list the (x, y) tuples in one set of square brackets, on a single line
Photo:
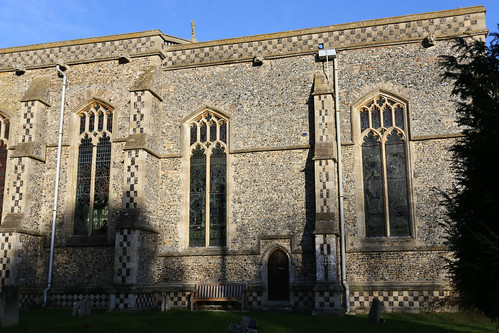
[(60, 320)]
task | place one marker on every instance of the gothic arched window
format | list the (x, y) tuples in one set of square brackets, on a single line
[(4, 138), (207, 180), (94, 160), (383, 128)]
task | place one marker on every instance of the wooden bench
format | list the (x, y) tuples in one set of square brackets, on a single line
[(219, 292)]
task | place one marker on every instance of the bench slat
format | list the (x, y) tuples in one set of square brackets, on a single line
[(219, 292)]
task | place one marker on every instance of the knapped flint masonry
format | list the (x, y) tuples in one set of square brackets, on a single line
[(188, 162)]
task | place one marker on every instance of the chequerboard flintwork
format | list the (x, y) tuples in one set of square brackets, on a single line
[(326, 199), (6, 257), (101, 48), (375, 32), (188, 197), (458, 22)]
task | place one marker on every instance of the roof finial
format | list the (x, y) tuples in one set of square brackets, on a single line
[(193, 32)]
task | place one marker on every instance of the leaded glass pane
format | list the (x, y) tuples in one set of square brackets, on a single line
[(101, 186), (223, 132), (387, 117), (92, 192), (364, 120), (6, 130), (373, 187), (100, 122), (375, 118), (213, 132), (399, 117), (398, 207), (380, 101), (109, 122), (217, 197), (202, 132), (197, 200), (3, 165), (194, 133), (83, 183), (91, 121), (83, 120)]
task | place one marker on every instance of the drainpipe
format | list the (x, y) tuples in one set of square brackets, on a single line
[(340, 188), (60, 71)]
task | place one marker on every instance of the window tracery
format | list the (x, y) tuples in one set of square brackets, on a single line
[(93, 170), (384, 145), (208, 173)]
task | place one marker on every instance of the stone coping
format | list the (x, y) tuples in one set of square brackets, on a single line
[(180, 53), (91, 40), (440, 25), (343, 26)]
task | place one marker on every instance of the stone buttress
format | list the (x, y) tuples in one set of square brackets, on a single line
[(135, 236), (21, 232), (327, 293)]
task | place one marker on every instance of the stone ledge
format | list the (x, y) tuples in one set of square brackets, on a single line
[(392, 285), (328, 286), (325, 151), (140, 141), (410, 245), (147, 79), (131, 220), (84, 241), (321, 85), (13, 223), (33, 150), (269, 149), (326, 223), (38, 90)]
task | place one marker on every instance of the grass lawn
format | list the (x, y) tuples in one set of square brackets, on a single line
[(61, 320)]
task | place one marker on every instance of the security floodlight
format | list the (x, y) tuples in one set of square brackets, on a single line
[(326, 54)]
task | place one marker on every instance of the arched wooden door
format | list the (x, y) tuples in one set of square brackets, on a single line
[(278, 276)]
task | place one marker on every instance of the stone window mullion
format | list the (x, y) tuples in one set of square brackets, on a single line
[(207, 198), (386, 182), (207, 216), (385, 185), (92, 189), (92, 138)]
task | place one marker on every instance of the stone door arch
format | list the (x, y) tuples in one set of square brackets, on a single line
[(278, 276)]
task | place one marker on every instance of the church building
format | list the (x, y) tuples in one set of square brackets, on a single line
[(306, 165)]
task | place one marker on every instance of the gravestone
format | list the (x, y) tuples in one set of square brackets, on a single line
[(247, 326), (374, 311), (166, 302), (9, 306), (82, 308)]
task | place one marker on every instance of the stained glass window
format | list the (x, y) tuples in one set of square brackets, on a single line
[(384, 168), (208, 170), (93, 174)]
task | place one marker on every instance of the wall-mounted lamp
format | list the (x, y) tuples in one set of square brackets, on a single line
[(326, 54)]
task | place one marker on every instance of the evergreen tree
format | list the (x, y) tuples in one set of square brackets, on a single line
[(473, 205)]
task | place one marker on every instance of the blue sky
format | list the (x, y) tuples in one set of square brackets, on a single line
[(26, 22)]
